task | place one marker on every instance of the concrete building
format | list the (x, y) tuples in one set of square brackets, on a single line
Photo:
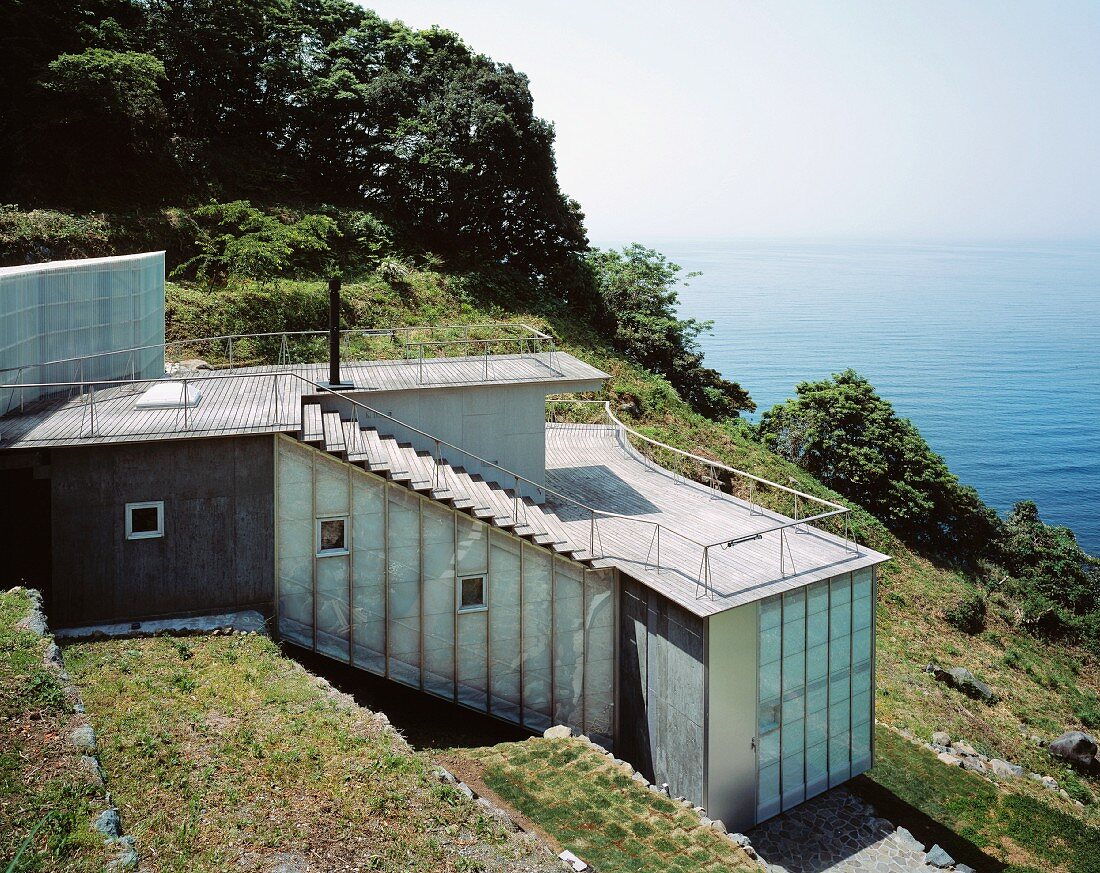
[(431, 526)]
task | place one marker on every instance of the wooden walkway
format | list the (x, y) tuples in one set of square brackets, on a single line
[(264, 399), (596, 466)]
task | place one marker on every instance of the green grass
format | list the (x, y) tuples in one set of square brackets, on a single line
[(1016, 825), (40, 780), (596, 810), (223, 753)]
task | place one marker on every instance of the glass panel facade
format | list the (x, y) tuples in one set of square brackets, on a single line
[(540, 650), (815, 694)]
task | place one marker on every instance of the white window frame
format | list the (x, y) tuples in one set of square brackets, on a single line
[(131, 534), (481, 607), (329, 553)]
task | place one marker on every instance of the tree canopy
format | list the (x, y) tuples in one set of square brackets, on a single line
[(852, 440), (638, 299), (121, 103)]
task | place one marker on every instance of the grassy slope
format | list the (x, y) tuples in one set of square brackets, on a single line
[(39, 768), (224, 755), (591, 806), (1041, 685)]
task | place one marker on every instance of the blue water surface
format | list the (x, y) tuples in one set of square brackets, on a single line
[(992, 350)]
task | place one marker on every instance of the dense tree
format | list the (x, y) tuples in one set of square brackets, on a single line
[(637, 290), (306, 101), (1048, 560), (852, 440)]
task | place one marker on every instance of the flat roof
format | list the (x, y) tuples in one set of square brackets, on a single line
[(267, 399), (594, 464), (75, 263)]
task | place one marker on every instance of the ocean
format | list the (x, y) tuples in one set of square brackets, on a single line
[(993, 351)]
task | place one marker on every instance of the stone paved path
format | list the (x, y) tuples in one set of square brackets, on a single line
[(836, 832)]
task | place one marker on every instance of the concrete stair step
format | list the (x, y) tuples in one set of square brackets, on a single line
[(312, 429), (332, 428)]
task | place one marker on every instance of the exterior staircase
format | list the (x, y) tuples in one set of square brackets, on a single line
[(418, 470)]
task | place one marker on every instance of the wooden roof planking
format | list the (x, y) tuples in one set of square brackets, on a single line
[(267, 399), (595, 465)]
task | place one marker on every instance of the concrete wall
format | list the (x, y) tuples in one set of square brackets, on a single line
[(541, 652), (731, 717), (661, 697), (504, 424), (217, 550), (65, 309)]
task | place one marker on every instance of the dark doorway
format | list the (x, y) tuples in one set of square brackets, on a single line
[(25, 526)]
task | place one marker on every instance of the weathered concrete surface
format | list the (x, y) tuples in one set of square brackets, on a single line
[(661, 718), (219, 523), (839, 833), (241, 622)]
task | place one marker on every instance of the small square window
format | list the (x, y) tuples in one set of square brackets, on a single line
[(471, 593), (332, 536), (144, 520)]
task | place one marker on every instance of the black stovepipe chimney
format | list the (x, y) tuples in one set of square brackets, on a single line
[(334, 331)]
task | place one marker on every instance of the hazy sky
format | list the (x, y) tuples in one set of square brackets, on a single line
[(921, 119)]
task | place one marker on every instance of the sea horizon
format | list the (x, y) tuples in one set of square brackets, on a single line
[(991, 347)]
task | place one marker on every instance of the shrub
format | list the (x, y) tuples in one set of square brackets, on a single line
[(968, 613)]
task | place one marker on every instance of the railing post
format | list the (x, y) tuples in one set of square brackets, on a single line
[(91, 417), (658, 549), (420, 376), (438, 463), (592, 533), (515, 500), (486, 360), (186, 423), (231, 353), (782, 559)]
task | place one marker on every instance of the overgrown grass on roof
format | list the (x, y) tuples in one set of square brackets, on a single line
[(224, 755), (596, 810), (40, 775)]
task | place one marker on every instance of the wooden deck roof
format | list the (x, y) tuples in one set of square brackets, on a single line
[(268, 399), (595, 465)]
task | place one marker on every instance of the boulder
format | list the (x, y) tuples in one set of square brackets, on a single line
[(937, 857), (941, 738), (109, 824), (907, 840), (557, 732), (1076, 748), (84, 739), (963, 680), (964, 749), (1004, 770), (949, 759), (970, 763)]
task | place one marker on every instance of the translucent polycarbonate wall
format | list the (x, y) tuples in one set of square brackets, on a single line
[(540, 650), (89, 309), (815, 701)]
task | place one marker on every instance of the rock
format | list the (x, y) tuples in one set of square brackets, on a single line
[(53, 655), (84, 739), (964, 868), (949, 759), (718, 825), (966, 749), (907, 840), (638, 777), (557, 732), (444, 775), (91, 766), (109, 824), (1076, 748), (465, 789), (941, 738), (1004, 770), (1049, 783), (741, 840), (973, 764), (937, 857), (35, 623), (963, 680), (705, 822)]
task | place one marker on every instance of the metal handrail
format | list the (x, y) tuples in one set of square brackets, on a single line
[(533, 333), (703, 580), (835, 509)]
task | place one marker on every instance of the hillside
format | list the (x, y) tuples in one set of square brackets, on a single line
[(418, 170)]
